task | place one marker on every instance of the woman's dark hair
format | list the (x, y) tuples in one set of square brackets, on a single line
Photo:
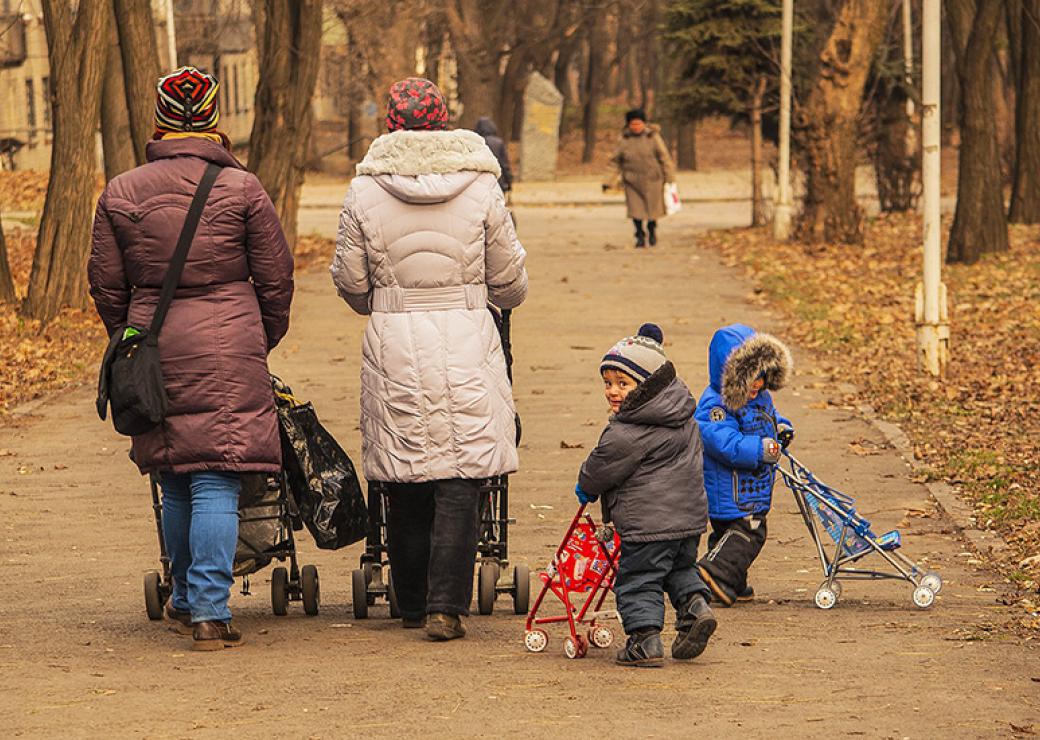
[(634, 114)]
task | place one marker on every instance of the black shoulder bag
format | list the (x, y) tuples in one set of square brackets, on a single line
[(131, 377)]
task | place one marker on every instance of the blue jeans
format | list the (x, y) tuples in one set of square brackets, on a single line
[(200, 525)]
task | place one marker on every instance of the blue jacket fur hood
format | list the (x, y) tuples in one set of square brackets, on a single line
[(737, 480)]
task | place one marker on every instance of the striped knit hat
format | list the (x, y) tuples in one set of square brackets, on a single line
[(639, 356), (187, 102), (416, 103)]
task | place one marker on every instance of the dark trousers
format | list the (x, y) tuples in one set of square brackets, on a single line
[(732, 547), (431, 531), (648, 570), (650, 225)]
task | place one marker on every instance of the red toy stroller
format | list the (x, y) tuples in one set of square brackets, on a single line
[(585, 563)]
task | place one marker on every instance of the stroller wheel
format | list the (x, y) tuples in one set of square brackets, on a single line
[(359, 593), (924, 597), (825, 598), (601, 636), (536, 640), (575, 648), (311, 589), (487, 580), (933, 581), (521, 588), (391, 596), (153, 601), (280, 591), (836, 588)]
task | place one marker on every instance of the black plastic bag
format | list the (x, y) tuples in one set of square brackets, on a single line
[(320, 475)]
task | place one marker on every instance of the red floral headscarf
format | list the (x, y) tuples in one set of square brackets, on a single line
[(416, 103)]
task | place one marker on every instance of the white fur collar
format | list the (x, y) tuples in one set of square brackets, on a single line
[(412, 153)]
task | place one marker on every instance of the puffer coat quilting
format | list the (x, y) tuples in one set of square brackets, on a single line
[(644, 165), (425, 241), (231, 307)]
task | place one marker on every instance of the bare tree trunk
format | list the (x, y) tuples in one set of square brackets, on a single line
[(894, 167), (7, 291), (758, 214), (511, 94), (479, 89), (979, 225), (77, 64), (116, 142), (593, 81), (288, 49), (829, 124), (1025, 192), (140, 69), (686, 149)]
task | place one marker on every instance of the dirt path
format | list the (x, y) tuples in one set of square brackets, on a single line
[(79, 658)]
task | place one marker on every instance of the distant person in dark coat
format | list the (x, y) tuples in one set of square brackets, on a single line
[(486, 128)]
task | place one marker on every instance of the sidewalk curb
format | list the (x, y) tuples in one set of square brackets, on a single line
[(983, 541)]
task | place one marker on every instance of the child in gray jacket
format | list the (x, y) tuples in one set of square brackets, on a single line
[(648, 469)]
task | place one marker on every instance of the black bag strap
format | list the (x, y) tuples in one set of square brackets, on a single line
[(180, 253)]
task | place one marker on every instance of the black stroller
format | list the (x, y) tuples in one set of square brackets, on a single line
[(268, 516), (368, 582)]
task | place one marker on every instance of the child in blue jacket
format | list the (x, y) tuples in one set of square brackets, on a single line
[(743, 435)]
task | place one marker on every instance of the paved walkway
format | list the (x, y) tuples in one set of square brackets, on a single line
[(78, 657)]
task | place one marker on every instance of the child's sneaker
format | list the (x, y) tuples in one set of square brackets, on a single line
[(643, 649), (748, 594), (696, 623)]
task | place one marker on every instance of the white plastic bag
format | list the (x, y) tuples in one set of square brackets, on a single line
[(672, 202)]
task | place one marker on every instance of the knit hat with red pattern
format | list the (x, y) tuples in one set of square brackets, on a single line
[(186, 102), (416, 103)]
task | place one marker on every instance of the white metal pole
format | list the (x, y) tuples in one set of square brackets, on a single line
[(782, 211), (908, 71), (171, 35), (933, 333)]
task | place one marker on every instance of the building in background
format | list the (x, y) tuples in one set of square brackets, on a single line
[(25, 109), (215, 35)]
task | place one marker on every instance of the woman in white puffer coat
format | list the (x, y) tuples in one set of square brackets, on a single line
[(425, 243)]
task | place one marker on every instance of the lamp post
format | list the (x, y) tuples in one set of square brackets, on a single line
[(783, 207), (933, 331), (171, 35)]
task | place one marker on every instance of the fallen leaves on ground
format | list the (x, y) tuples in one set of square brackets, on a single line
[(979, 428), (23, 190)]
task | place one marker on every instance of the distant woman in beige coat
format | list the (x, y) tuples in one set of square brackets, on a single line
[(643, 166), (425, 242)]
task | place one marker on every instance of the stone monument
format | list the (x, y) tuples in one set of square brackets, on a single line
[(540, 137)]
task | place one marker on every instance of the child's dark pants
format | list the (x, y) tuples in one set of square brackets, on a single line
[(732, 547), (647, 570), (431, 531)]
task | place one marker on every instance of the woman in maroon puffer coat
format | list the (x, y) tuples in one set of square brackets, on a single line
[(230, 309)]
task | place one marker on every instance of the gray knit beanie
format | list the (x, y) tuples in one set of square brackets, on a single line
[(639, 356)]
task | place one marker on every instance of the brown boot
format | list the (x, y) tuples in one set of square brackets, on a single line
[(442, 627), (181, 620), (216, 636)]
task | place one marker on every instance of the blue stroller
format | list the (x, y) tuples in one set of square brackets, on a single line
[(824, 507)]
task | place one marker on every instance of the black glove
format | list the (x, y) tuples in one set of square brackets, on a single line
[(785, 435)]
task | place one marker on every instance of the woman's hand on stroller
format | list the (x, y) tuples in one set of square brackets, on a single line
[(784, 434), (583, 497)]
